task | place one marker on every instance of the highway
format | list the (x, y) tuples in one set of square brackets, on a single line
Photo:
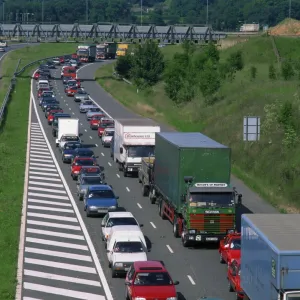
[(198, 270)]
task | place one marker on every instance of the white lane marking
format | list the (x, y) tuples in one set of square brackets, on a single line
[(61, 278), (96, 145), (42, 169), (85, 130), (118, 175), (191, 279), (36, 135), (59, 254), (139, 205), (81, 124), (91, 138), (37, 139), (42, 160), (170, 249), (56, 244), (48, 196), (109, 164), (46, 190), (152, 224), (43, 165), (54, 225), (69, 108), (54, 233), (128, 190), (102, 153), (57, 265), (39, 143), (62, 292), (32, 150), (46, 174), (52, 217), (30, 298), (57, 203), (46, 184), (73, 113), (67, 104), (48, 208), (43, 178)]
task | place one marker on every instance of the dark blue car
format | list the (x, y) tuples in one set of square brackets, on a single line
[(99, 199), (68, 151)]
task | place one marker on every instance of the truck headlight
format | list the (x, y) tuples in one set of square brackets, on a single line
[(192, 231), (119, 264)]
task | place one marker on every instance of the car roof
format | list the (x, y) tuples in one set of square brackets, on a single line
[(83, 157), (120, 214), (70, 134), (100, 186), (62, 115), (126, 228), (148, 265), (43, 81), (109, 129), (84, 149)]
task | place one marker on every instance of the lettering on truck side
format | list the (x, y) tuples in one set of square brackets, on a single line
[(138, 136)]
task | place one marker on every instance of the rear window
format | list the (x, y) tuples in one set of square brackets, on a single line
[(84, 162), (152, 279)]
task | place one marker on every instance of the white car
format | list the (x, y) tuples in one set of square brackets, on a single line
[(68, 138), (73, 63), (117, 218), (2, 49), (56, 61), (107, 136), (3, 44)]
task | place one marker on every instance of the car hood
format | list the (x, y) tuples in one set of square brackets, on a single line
[(129, 257), (234, 254), (154, 291), (69, 151), (107, 138), (102, 202)]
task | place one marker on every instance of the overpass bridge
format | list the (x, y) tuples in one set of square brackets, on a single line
[(109, 32)]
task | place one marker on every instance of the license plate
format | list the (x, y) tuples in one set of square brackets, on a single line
[(126, 269), (212, 239), (101, 210), (198, 238)]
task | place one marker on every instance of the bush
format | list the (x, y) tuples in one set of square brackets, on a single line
[(272, 72), (287, 70), (124, 65)]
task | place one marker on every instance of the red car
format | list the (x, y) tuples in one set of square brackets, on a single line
[(62, 60), (105, 123), (71, 91), (74, 56), (69, 72), (230, 248), (78, 83), (96, 119), (51, 114), (149, 280), (78, 163), (234, 279), (36, 75), (41, 91)]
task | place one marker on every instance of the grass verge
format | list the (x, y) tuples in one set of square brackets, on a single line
[(13, 140), (266, 166)]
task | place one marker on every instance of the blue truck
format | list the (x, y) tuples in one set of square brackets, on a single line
[(270, 256)]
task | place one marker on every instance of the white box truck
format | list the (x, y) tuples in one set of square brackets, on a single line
[(133, 140), (67, 126)]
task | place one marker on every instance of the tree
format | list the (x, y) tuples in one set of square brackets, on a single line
[(272, 72), (287, 70), (253, 72), (236, 61), (124, 65), (148, 64)]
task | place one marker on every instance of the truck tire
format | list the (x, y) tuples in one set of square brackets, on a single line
[(185, 242), (120, 167), (145, 190), (160, 210), (151, 198), (125, 172), (176, 229)]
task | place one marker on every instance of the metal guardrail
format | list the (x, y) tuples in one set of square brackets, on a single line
[(14, 81)]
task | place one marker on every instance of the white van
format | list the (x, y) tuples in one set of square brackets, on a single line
[(43, 84), (124, 249)]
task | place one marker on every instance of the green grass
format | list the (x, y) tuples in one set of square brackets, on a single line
[(264, 166), (13, 142)]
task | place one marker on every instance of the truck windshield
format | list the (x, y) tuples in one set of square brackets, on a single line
[(212, 199), (294, 296), (83, 52), (140, 151)]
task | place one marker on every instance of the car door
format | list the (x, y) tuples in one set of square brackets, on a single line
[(79, 182), (103, 225), (129, 279), (226, 248)]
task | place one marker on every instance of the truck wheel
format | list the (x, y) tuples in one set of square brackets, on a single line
[(230, 289), (151, 198), (176, 229), (113, 274), (185, 242), (222, 261), (160, 211), (145, 191), (124, 172)]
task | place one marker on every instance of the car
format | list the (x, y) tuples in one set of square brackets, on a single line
[(105, 123), (230, 247), (51, 114), (68, 151), (71, 91), (42, 90), (149, 280), (65, 79), (234, 279), (48, 101), (70, 83), (93, 111), (86, 105), (74, 63), (2, 49), (50, 107), (98, 199), (3, 43), (48, 93), (62, 60), (85, 181), (68, 138), (84, 152), (120, 218), (91, 171), (36, 75), (50, 64), (77, 164), (107, 136), (56, 61), (81, 95), (95, 120)]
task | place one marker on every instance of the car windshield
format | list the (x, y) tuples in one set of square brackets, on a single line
[(81, 92), (70, 138), (153, 279), (97, 118), (91, 180), (72, 145), (109, 133), (94, 109), (84, 162), (128, 247), (53, 107), (293, 296), (121, 221), (86, 153), (101, 194), (235, 244), (107, 124), (88, 103), (48, 94)]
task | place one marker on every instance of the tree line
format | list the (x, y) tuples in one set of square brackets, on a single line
[(223, 15)]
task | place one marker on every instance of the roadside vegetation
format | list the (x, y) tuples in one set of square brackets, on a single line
[(13, 143), (211, 90)]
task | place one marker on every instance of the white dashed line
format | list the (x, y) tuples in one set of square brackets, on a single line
[(96, 145), (153, 225), (102, 153), (139, 205), (81, 124), (128, 190), (67, 104), (69, 108), (109, 164), (118, 175), (73, 113), (170, 249), (85, 130), (191, 279), (91, 138)]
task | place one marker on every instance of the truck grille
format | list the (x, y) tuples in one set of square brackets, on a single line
[(217, 223)]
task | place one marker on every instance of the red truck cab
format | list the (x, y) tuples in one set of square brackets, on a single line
[(51, 114), (149, 280), (74, 56), (79, 162), (230, 247), (105, 123), (234, 278), (69, 72)]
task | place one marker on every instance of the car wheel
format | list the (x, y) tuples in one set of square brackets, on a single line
[(113, 274), (88, 214), (222, 261)]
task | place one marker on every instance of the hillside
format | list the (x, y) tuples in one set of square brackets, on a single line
[(270, 166)]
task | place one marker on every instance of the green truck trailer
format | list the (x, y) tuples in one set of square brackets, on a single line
[(190, 181)]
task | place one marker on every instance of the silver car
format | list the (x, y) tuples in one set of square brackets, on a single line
[(81, 95), (86, 105), (85, 181), (93, 111), (107, 136)]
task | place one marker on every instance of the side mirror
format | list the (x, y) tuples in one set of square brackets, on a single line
[(240, 196), (102, 225), (77, 183), (127, 283), (108, 251), (97, 156), (117, 197), (176, 282), (121, 150), (141, 225)]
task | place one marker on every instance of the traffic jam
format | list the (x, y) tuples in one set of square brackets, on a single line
[(121, 233)]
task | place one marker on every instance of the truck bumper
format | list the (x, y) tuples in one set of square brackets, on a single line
[(204, 238), (132, 169)]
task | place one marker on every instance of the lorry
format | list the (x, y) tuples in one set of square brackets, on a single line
[(270, 256), (86, 53), (189, 179), (249, 28), (133, 139), (106, 51), (122, 49), (66, 127)]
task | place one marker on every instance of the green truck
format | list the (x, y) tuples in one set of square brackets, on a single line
[(106, 51), (190, 181)]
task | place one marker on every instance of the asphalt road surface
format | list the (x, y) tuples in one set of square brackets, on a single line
[(198, 270)]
